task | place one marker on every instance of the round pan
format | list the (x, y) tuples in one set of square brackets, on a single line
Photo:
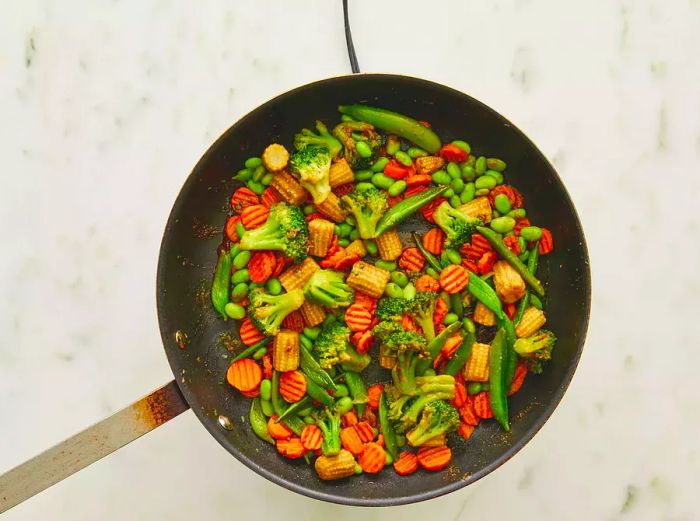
[(188, 256)]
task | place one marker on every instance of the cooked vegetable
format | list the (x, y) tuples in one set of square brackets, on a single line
[(434, 458), (360, 143), (306, 138), (340, 173), (533, 319), (328, 288), (368, 279), (422, 308), (357, 388), (407, 347), (497, 387), (311, 165), (320, 237), (479, 208), (457, 226), (510, 286), (285, 230), (220, 284), (367, 207), (275, 157), (342, 465), (436, 419), (389, 245), (333, 347), (407, 207), (536, 349), (477, 366), (328, 420), (258, 421), (462, 354), (386, 427), (267, 312), (285, 350)]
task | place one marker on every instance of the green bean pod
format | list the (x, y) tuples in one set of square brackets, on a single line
[(295, 424), (511, 357), (429, 257), (313, 371), (250, 350), (532, 262), (461, 356), (258, 421), (434, 347), (358, 390), (407, 207), (387, 428), (220, 284), (293, 409), (484, 293), (318, 393), (497, 388)]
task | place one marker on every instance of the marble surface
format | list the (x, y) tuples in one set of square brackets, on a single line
[(106, 106)]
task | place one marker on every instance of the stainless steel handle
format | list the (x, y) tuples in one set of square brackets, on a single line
[(90, 445)]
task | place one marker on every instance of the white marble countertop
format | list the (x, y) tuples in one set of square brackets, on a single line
[(97, 98)]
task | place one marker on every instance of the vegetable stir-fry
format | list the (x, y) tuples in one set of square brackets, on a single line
[(314, 268)]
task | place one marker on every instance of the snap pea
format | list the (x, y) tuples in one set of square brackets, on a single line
[(463, 145), (311, 368), (260, 353), (293, 410), (457, 305), (531, 233), (524, 256), (256, 186), (258, 421), (397, 188), (511, 357), (363, 149), (415, 152), (370, 245), (318, 393), (357, 389), (480, 165), (434, 347), (406, 208), (343, 243), (400, 278), (441, 178), (512, 259), (535, 301), (450, 318), (496, 175), (305, 342), (248, 351), (484, 293), (311, 332), (379, 164), (304, 414), (394, 123), (429, 257), (496, 164), (502, 203), (485, 182), (522, 244), (387, 428), (385, 265), (388, 460), (240, 229), (265, 389), (403, 158), (468, 173), (497, 388), (291, 420), (444, 259), (240, 276), (253, 162), (341, 390), (381, 181), (244, 174), (502, 224), (393, 290), (234, 311), (266, 406), (240, 261), (273, 286), (453, 256), (409, 291), (364, 175), (467, 193), (461, 355), (220, 283)]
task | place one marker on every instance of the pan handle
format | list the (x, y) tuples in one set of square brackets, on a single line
[(90, 445)]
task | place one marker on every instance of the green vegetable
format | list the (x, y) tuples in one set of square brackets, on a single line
[(393, 144), (371, 247), (357, 389), (363, 175), (367, 207), (391, 308), (429, 257), (323, 139), (531, 233), (532, 262), (495, 164), (512, 259), (484, 293), (328, 421), (266, 406), (311, 166), (244, 175), (285, 230), (260, 353), (457, 185), (415, 152), (422, 308), (497, 387), (344, 404), (535, 301), (311, 332), (258, 421), (406, 208), (468, 173), (435, 346), (497, 176), (450, 318), (437, 417), (511, 357), (393, 290), (391, 122), (407, 346), (405, 409), (463, 145), (485, 182), (240, 275), (267, 311), (502, 203), (397, 188), (239, 292), (387, 428), (234, 311), (385, 265), (453, 170), (220, 283), (328, 288), (457, 226), (341, 390), (400, 278), (291, 420), (256, 187), (474, 388), (363, 149), (352, 133), (294, 409), (480, 165), (265, 389), (313, 371), (502, 224), (457, 305), (441, 178), (248, 351), (409, 291), (333, 347), (403, 158), (536, 350), (318, 393), (379, 165)]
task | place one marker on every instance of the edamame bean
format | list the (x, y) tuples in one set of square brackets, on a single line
[(416, 152), (370, 246), (260, 353), (455, 201), (308, 209), (358, 469), (397, 188), (363, 175), (388, 460), (240, 276), (312, 332), (441, 178), (485, 181), (244, 174), (482, 191), (403, 158), (265, 389), (239, 292), (531, 233), (240, 261), (535, 301), (463, 145), (342, 229), (358, 137), (234, 310), (364, 186), (468, 193), (457, 185), (468, 325), (363, 149), (471, 161), (253, 162), (393, 290), (450, 318), (432, 272), (448, 193), (453, 170), (400, 278), (468, 173), (343, 243), (343, 405), (502, 203), (267, 179), (240, 229), (409, 291), (480, 165), (502, 224), (266, 407), (496, 175), (274, 287), (258, 173), (518, 213), (496, 164), (256, 187), (306, 342), (385, 265), (474, 388), (341, 390), (378, 165), (393, 144), (495, 213), (381, 181), (353, 235), (453, 256)]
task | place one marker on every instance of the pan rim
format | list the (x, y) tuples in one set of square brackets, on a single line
[(513, 449)]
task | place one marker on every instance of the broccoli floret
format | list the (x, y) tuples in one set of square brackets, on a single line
[(327, 288), (457, 226), (438, 417), (422, 309), (311, 166), (367, 206), (323, 139), (285, 230), (536, 349), (407, 347), (328, 421), (429, 388), (344, 132), (333, 347), (267, 311), (391, 308)]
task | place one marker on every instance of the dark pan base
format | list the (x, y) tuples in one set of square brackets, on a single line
[(188, 255)]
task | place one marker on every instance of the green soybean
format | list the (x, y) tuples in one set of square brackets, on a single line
[(403, 158), (453, 256), (393, 144), (409, 291), (450, 318), (471, 161), (239, 292), (256, 187), (400, 278), (273, 286), (468, 325), (453, 170), (370, 246), (518, 213), (240, 229), (353, 235), (306, 342), (343, 405), (502, 224), (455, 201), (467, 193), (260, 353), (496, 164), (502, 203), (393, 290), (253, 162), (378, 165), (265, 389), (311, 332), (258, 173), (267, 179), (382, 181), (240, 276), (496, 175), (358, 469), (234, 310), (397, 188), (308, 209), (463, 145), (244, 174), (363, 149), (485, 181), (495, 213), (341, 390), (482, 191), (343, 243), (432, 272), (535, 301), (266, 406), (441, 178), (385, 265), (457, 185), (342, 229), (480, 165), (473, 388), (531, 233), (415, 152), (363, 175), (363, 186), (240, 261), (448, 193), (468, 173)]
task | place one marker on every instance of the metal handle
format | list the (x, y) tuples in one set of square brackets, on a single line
[(354, 66), (90, 445)]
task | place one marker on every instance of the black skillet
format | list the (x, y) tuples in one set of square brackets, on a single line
[(196, 340)]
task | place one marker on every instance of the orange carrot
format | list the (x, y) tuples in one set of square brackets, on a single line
[(351, 440), (482, 405), (365, 301), (249, 333), (408, 324), (465, 430), (358, 318), (467, 411), (434, 241), (411, 260), (520, 224), (380, 439), (460, 394), (373, 394), (343, 189), (362, 341), (244, 374), (418, 180), (278, 431), (267, 366), (406, 463), (373, 458), (291, 448), (230, 228), (546, 242), (451, 345), (429, 208), (440, 311), (415, 189), (254, 216), (311, 437), (514, 196), (427, 283), (393, 199), (349, 418), (454, 278), (243, 197), (364, 431), (512, 243), (518, 379), (252, 394), (434, 458), (261, 266), (270, 196), (480, 244), (294, 321), (292, 386), (486, 262)]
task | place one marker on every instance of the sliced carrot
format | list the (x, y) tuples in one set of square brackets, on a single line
[(358, 318), (244, 374), (343, 189), (411, 260), (351, 441), (373, 458), (311, 437), (292, 386), (480, 244), (451, 345), (252, 394), (427, 283), (408, 324), (380, 439), (512, 243), (518, 379), (434, 458), (373, 394), (460, 394), (261, 266), (267, 366), (364, 431), (291, 448), (486, 262), (515, 198), (406, 463), (230, 228), (363, 341), (482, 405), (270, 196), (294, 321), (396, 170), (418, 180), (243, 197), (434, 241), (282, 263), (254, 216), (393, 199), (349, 418), (249, 333), (454, 278), (453, 153), (414, 190), (365, 301), (370, 416), (470, 265), (546, 242), (429, 208), (520, 224), (440, 311), (465, 430), (468, 413), (278, 431), (510, 310)]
